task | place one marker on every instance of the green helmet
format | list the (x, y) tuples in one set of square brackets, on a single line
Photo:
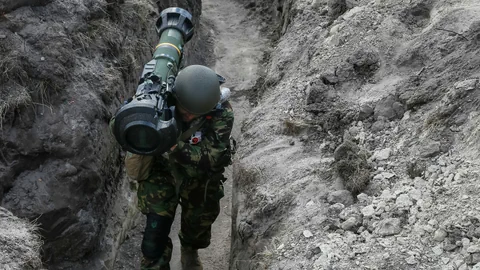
[(197, 89)]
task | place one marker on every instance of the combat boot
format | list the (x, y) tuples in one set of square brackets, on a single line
[(149, 264), (190, 260)]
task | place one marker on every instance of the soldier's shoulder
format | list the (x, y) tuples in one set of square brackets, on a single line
[(222, 111), (226, 111), (222, 116), (227, 107)]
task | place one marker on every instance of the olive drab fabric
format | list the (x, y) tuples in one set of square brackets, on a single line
[(213, 152), (138, 167), (191, 176)]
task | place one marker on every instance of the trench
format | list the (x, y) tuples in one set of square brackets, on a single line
[(238, 49)]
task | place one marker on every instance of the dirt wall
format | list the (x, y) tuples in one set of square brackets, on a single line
[(389, 86), (65, 67)]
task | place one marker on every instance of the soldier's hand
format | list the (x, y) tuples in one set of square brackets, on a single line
[(173, 147)]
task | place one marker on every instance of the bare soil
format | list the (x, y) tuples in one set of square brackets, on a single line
[(399, 80)]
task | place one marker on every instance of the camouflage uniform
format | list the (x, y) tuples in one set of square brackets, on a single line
[(199, 168)]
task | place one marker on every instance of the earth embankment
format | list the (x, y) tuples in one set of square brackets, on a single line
[(363, 149)]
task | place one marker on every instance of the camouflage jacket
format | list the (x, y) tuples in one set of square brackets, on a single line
[(212, 153)]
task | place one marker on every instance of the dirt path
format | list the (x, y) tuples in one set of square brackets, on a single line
[(238, 51)]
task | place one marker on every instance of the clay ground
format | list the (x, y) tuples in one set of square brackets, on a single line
[(238, 49)]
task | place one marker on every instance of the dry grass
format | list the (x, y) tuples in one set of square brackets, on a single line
[(352, 166), (11, 69), (83, 40), (12, 99), (245, 177), (21, 243), (269, 255), (119, 38), (355, 175), (294, 128), (416, 168)]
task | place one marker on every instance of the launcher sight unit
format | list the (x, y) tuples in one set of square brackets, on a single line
[(146, 124)]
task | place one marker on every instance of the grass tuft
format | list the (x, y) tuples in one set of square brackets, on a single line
[(352, 166)]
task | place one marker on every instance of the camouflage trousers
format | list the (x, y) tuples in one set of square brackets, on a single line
[(199, 199)]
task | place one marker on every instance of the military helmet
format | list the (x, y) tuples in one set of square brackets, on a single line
[(197, 89)]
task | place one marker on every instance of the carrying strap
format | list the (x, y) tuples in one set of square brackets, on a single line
[(185, 135), (178, 180)]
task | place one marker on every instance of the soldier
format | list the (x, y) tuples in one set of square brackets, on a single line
[(191, 174)]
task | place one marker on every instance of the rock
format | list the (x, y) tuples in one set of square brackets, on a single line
[(350, 212), (433, 168), (467, 85), (440, 235), (380, 208), (379, 125), (448, 246), (428, 228), (307, 233), (386, 109), (389, 226), (398, 109), (363, 198), (316, 4), (68, 170), (438, 250), (429, 149), (406, 115), (312, 252), (383, 154), (387, 195), (433, 222), (3, 36), (415, 194), (368, 211), (476, 267), (388, 175), (465, 242), (349, 224), (411, 260), (352, 132), (340, 196), (365, 112), (336, 7), (335, 209), (403, 201), (475, 258), (419, 183), (412, 220), (245, 229), (473, 249)]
